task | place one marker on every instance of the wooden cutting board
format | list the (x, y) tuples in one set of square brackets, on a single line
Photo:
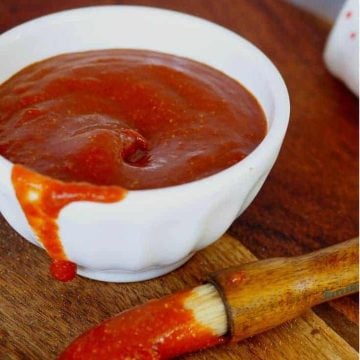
[(41, 316), (309, 201)]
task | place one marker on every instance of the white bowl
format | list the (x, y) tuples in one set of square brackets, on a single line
[(150, 232)]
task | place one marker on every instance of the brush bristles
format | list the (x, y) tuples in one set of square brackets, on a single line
[(208, 308)]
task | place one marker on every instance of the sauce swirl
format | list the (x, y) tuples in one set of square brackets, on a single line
[(133, 118)]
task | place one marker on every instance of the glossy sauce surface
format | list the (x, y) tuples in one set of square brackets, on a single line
[(133, 118)]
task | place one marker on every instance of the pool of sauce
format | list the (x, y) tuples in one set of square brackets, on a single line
[(133, 118)]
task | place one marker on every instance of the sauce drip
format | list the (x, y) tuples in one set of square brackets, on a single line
[(160, 329), (42, 199)]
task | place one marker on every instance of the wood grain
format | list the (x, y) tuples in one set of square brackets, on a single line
[(261, 295), (308, 202)]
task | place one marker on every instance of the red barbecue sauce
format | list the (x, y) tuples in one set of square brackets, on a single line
[(100, 121), (133, 118), (42, 198), (159, 329)]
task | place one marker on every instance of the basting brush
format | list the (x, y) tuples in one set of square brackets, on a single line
[(236, 303)]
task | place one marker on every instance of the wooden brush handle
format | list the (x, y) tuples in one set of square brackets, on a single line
[(264, 294)]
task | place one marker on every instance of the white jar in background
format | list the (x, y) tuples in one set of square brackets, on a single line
[(342, 48)]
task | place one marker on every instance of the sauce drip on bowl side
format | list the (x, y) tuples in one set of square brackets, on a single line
[(42, 199), (160, 329)]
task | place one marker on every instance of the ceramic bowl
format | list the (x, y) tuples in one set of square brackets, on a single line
[(150, 232)]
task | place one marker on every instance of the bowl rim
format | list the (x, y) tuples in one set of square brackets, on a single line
[(281, 112)]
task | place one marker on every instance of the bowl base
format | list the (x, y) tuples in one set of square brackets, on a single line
[(119, 276)]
